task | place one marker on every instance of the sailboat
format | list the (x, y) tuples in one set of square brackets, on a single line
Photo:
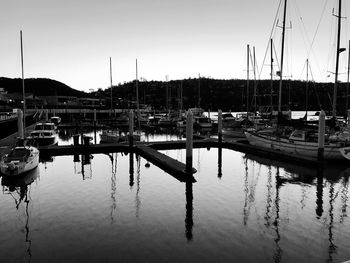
[(24, 156), (301, 142)]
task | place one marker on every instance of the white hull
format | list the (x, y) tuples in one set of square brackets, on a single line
[(21, 165), (300, 148)]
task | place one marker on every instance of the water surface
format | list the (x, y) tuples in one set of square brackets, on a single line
[(241, 209)]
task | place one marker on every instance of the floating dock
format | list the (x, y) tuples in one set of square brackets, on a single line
[(150, 151)]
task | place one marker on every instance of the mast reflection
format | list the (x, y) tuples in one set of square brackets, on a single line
[(319, 194), (19, 189), (332, 248), (268, 198), (137, 198), (334, 174), (113, 186), (278, 253)]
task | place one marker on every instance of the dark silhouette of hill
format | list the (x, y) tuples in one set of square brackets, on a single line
[(229, 94), (213, 93), (39, 87)]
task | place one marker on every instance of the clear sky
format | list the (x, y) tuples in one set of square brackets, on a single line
[(71, 40)]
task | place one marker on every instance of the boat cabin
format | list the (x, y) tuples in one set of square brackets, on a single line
[(304, 135)]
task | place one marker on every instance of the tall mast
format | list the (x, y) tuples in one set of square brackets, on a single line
[(307, 87), (347, 84), (199, 90), (248, 79), (137, 98), (282, 55), (271, 75), (254, 65), (334, 110), (23, 89), (110, 75)]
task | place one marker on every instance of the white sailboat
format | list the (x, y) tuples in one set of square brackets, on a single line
[(302, 142), (24, 156)]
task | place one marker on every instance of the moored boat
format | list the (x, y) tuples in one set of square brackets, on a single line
[(303, 143), (45, 134), (22, 158)]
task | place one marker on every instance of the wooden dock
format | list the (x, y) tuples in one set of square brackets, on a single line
[(150, 151), (166, 163)]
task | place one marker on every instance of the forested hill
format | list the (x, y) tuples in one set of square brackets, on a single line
[(39, 87), (230, 94), (213, 93)]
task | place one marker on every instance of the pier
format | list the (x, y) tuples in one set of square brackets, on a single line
[(150, 151)]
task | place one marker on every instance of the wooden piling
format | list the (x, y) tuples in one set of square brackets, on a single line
[(321, 135), (348, 120), (131, 128), (95, 122), (220, 125), (20, 123), (46, 115), (189, 141)]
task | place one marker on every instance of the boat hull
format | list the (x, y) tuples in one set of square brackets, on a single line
[(45, 141), (16, 168), (300, 148)]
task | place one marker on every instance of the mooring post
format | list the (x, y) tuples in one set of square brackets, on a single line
[(321, 132), (348, 120), (220, 126), (46, 114), (189, 141), (95, 121), (20, 123), (131, 128)]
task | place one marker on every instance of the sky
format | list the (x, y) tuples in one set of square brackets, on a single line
[(72, 40)]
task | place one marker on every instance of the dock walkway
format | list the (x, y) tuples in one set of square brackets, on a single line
[(150, 151)]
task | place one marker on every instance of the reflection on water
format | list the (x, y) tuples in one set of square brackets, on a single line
[(19, 190), (242, 208), (302, 175), (189, 210)]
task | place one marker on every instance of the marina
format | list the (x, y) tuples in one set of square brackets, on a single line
[(195, 145)]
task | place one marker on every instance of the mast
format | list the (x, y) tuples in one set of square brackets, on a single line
[(110, 75), (23, 89), (334, 110), (247, 79), (282, 55), (254, 65), (307, 87), (271, 75), (137, 98), (167, 93), (199, 90), (347, 84)]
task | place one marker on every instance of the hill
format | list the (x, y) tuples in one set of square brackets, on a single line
[(228, 94), (39, 87)]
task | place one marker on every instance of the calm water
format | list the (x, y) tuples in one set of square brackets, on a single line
[(242, 209)]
